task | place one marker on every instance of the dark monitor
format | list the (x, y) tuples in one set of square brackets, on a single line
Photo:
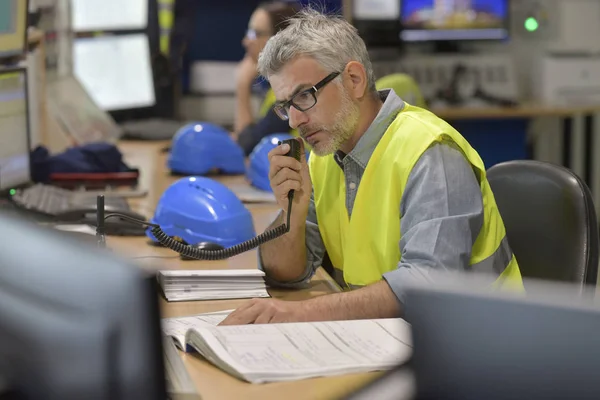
[(13, 27), (15, 167), (454, 20), (474, 343), (76, 322)]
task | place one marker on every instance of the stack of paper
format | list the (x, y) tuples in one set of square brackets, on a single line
[(292, 351), (185, 285)]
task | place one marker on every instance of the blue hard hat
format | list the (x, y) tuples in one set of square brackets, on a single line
[(198, 209), (258, 169), (199, 147)]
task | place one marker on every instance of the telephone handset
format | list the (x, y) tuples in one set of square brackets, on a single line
[(294, 152), (213, 251)]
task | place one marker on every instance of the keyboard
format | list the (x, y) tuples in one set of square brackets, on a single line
[(50, 204), (58, 202)]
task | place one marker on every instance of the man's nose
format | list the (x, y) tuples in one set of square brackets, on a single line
[(296, 117)]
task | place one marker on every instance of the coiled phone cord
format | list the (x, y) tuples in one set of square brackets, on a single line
[(224, 253)]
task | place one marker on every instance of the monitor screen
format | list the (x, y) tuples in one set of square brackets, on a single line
[(454, 20), (115, 70), (14, 130), (13, 27), (79, 116), (106, 15), (375, 10)]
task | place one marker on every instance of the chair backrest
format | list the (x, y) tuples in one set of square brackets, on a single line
[(550, 220)]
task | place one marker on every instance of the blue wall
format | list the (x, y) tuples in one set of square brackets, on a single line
[(221, 25)]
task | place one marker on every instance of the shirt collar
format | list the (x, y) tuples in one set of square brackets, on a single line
[(392, 105)]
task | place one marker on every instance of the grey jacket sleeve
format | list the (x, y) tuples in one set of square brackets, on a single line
[(315, 251), (441, 215)]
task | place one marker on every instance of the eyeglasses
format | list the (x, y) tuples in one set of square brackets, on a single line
[(302, 101)]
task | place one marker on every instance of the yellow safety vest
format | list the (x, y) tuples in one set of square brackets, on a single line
[(165, 23), (365, 246), (267, 103)]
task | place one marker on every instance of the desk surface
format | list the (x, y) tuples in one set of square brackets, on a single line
[(525, 110), (211, 382)]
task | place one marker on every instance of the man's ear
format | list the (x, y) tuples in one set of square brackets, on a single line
[(356, 80)]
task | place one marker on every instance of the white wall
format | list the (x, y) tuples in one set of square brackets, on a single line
[(571, 25)]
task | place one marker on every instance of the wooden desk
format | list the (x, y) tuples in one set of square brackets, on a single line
[(562, 134), (525, 110), (211, 382)]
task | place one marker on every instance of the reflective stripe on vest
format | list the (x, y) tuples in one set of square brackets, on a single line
[(366, 246)]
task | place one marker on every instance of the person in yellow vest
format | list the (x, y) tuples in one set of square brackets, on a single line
[(268, 19), (404, 86), (390, 195)]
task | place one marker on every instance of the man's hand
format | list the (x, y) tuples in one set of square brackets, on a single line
[(265, 311), (373, 301), (285, 174)]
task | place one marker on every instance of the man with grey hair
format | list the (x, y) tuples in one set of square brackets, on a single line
[(390, 193)]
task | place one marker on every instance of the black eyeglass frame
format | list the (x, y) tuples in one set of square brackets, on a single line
[(281, 109)]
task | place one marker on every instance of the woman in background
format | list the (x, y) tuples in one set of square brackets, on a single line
[(268, 19)]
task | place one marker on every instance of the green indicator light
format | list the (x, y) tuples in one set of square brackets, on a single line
[(531, 24), (12, 192)]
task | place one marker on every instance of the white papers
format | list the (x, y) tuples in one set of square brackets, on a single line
[(184, 285), (177, 327), (292, 351), (251, 194)]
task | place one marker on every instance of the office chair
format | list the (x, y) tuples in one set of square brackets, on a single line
[(550, 220)]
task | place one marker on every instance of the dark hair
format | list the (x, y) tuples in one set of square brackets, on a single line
[(280, 12)]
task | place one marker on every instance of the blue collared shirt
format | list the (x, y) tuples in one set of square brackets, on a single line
[(441, 210)]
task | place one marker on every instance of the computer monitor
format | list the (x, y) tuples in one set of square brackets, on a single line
[(471, 342), (108, 15), (15, 169), (454, 20), (377, 22), (372, 10), (78, 114), (76, 322), (13, 27), (115, 70)]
